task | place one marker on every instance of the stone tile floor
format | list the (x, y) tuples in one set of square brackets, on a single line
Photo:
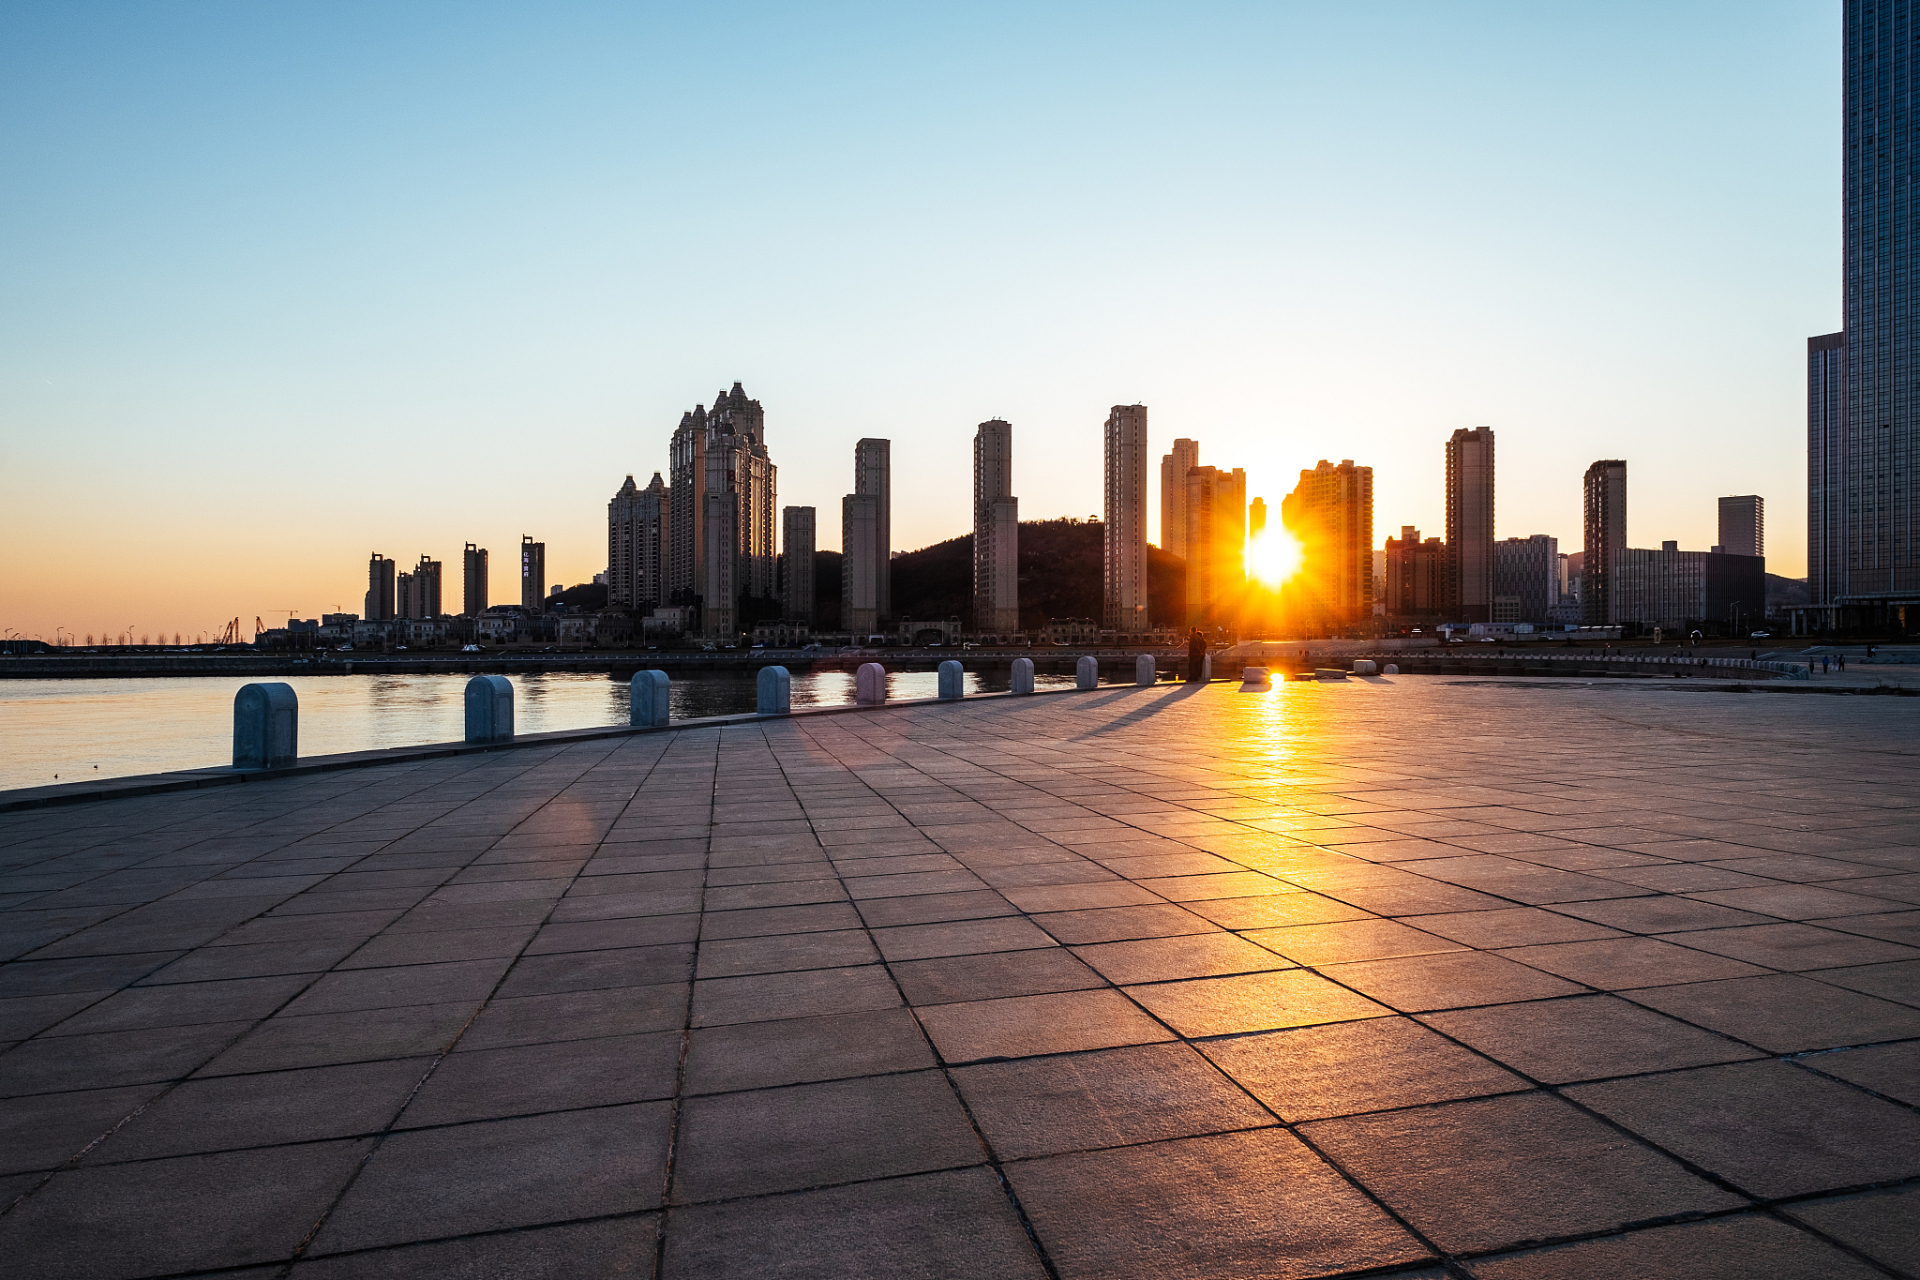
[(1410, 977)]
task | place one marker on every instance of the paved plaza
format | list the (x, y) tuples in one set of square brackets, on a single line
[(1413, 977)]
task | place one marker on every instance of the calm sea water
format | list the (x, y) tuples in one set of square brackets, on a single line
[(71, 730)]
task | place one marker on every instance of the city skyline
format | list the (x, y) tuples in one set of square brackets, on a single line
[(257, 279)]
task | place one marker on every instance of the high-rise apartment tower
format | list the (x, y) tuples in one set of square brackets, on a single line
[(380, 588), (418, 592), (719, 523), (1331, 513), (796, 563), (1216, 505), (996, 531), (1125, 502), (1173, 495), (639, 533), (1743, 525), (473, 598), (873, 476), (533, 574), (1603, 538), (1470, 522)]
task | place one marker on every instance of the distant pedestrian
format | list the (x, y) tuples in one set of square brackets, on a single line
[(1196, 657), (1842, 660)]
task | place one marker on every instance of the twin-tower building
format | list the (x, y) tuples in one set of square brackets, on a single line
[(700, 550)]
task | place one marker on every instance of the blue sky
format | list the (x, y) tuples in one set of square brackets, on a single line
[(283, 285)]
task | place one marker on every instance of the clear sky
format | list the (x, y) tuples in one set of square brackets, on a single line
[(282, 285)]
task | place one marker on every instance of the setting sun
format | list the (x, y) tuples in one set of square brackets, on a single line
[(1273, 556)]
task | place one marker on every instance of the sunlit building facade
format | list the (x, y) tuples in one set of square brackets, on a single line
[(1216, 547), (1330, 513), (1124, 550), (1415, 578), (1743, 525), (1184, 457), (996, 531), (639, 533), (1470, 523), (1604, 534), (720, 516)]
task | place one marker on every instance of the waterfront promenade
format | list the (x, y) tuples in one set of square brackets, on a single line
[(1499, 979)]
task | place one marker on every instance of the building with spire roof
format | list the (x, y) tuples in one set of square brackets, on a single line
[(639, 524), (720, 516)]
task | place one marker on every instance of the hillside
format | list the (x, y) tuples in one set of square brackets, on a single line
[(1060, 576)]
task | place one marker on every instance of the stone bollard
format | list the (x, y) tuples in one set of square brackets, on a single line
[(1144, 672), (870, 684), (775, 692), (1365, 667), (647, 700), (266, 726), (1086, 673), (1023, 675), (1254, 679), (953, 681), (489, 709), (1391, 669)]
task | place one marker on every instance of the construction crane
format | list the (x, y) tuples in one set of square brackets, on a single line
[(232, 633), (259, 627)]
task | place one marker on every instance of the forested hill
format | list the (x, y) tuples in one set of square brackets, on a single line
[(1060, 576)]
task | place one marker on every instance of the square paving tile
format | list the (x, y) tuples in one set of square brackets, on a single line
[(1784, 1013), (1193, 955), (577, 1015), (763, 997), (1453, 980), (1794, 946), (768, 1140), (45, 1130), (1614, 964), (955, 1225), (431, 1183), (617, 1247), (1319, 944), (1585, 1038), (1740, 1247), (1272, 911), (1485, 1175), (1515, 927), (1884, 1225), (759, 1055), (1892, 1069), (1311, 1073), (1258, 1205), (1108, 1098), (960, 938), (1252, 1002), (988, 977), (489, 1083), (1025, 1026)]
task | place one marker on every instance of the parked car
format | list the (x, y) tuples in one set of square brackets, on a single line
[(1760, 635)]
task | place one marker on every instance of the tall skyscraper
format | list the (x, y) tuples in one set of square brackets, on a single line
[(533, 574), (1125, 559), (380, 588), (1216, 541), (996, 531), (1331, 513), (1743, 525), (1603, 537), (1828, 476), (719, 522), (796, 564), (873, 476), (1470, 522), (860, 563), (418, 592), (1256, 518), (639, 525), (1173, 495), (473, 600), (1864, 521)]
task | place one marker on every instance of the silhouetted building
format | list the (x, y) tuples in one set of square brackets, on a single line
[(533, 574), (1256, 518), (1416, 576), (1672, 588), (1216, 547), (1863, 465), (1330, 512), (860, 565), (719, 523), (473, 599), (1124, 575), (1173, 495), (1743, 529), (380, 589), (796, 564), (639, 524), (1604, 536), (1470, 523), (419, 590), (1831, 525), (996, 531), (873, 476), (1526, 578)]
